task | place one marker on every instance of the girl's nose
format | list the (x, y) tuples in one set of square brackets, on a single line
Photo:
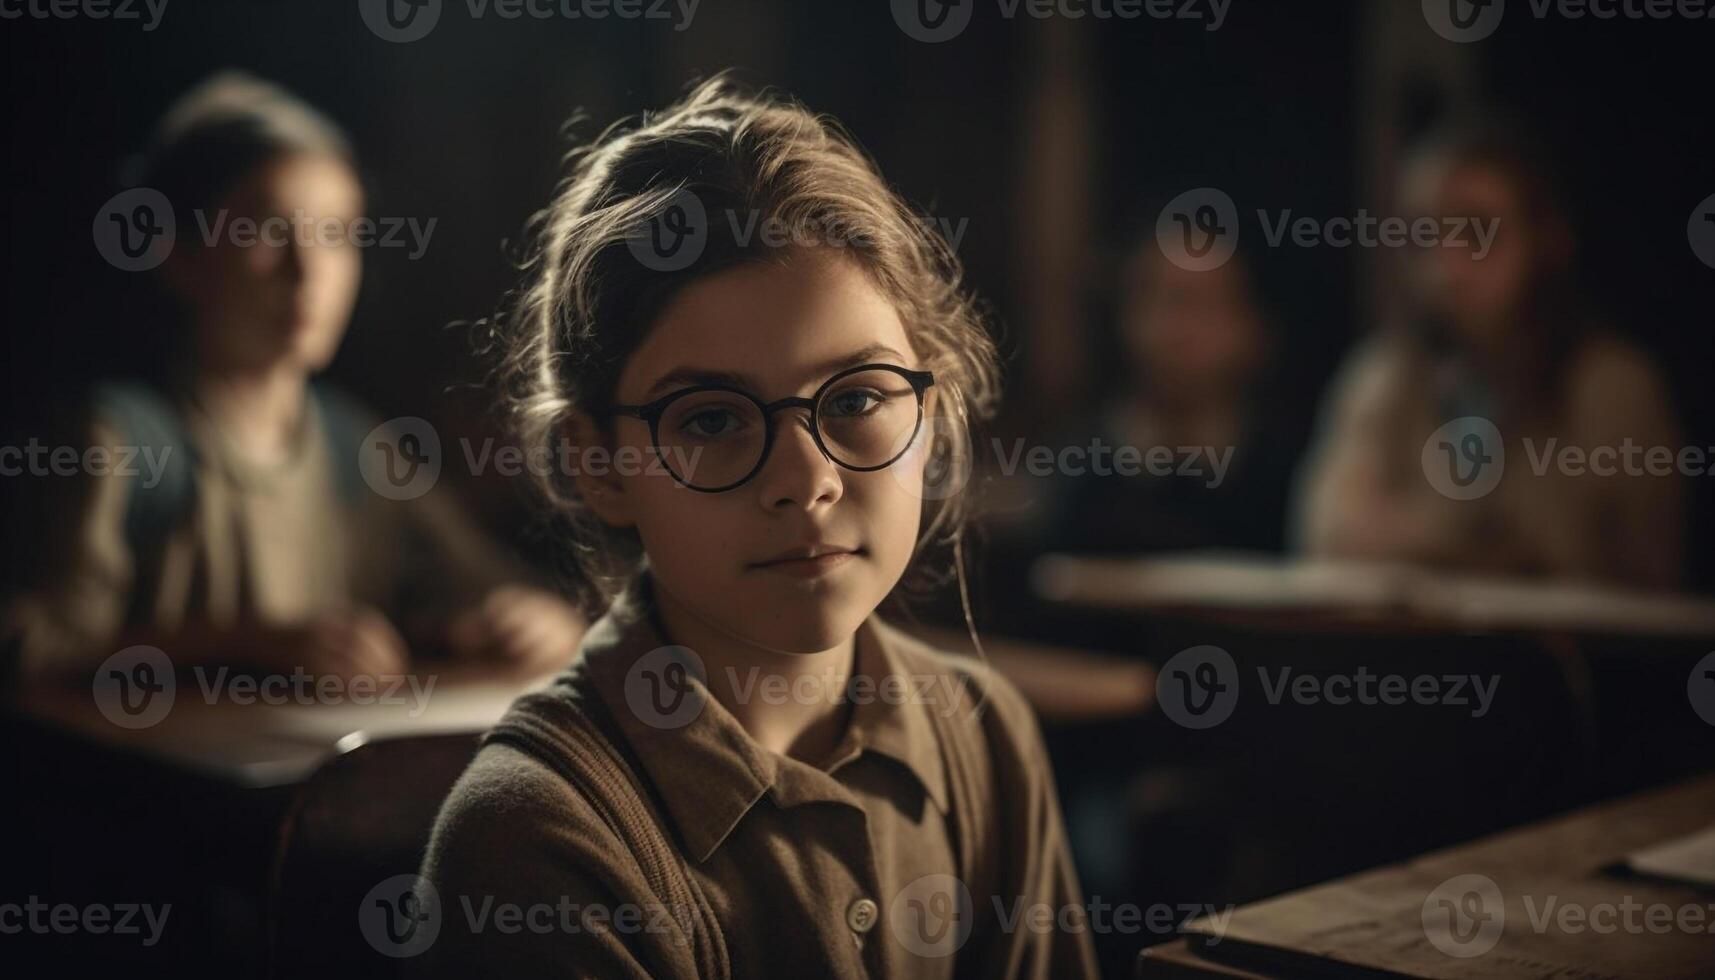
[(798, 473)]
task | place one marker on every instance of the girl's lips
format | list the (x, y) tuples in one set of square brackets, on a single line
[(808, 567)]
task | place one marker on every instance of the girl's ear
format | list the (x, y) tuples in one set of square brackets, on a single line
[(601, 489)]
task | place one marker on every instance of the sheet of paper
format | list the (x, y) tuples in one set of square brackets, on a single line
[(1690, 858)]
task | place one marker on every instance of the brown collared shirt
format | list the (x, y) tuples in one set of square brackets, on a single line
[(847, 869)]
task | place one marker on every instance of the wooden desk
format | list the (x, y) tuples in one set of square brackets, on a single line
[(261, 745), (194, 811), (1622, 657), (1247, 588), (1374, 924)]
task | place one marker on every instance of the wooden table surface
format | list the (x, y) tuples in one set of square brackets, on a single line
[(1323, 592), (260, 745), (1546, 878)]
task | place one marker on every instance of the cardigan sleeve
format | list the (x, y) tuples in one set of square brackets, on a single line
[(531, 882), (71, 616)]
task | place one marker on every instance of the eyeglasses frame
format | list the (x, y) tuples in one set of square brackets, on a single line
[(651, 412)]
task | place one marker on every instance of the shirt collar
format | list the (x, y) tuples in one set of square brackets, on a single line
[(703, 765), (211, 441), (891, 717)]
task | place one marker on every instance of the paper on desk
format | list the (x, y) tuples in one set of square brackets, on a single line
[(453, 705), (1221, 579), (1690, 858)]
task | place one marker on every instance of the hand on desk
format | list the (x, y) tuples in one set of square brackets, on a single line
[(527, 627), (360, 640)]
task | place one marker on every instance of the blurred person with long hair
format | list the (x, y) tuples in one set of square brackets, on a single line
[(1503, 335)]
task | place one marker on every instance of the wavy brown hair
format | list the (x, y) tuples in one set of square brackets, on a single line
[(587, 300)]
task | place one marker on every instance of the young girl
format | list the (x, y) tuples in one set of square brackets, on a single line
[(258, 544), (749, 773)]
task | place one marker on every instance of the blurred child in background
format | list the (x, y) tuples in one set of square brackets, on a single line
[(1503, 336), (1193, 346), (257, 543)]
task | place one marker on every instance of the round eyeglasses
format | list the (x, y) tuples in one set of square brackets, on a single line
[(713, 438)]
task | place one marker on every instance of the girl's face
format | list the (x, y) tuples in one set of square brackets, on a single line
[(279, 291), (776, 330)]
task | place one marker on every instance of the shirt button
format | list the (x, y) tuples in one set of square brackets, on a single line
[(862, 915)]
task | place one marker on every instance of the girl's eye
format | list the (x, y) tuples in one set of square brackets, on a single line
[(711, 423), (853, 402)]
